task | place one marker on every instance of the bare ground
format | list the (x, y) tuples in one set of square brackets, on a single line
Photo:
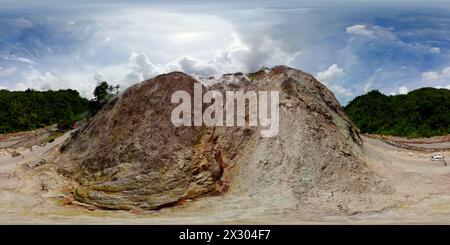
[(31, 194), (23, 139)]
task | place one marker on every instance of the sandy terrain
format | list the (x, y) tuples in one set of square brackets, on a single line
[(38, 194), (433, 144), (8, 163), (23, 139)]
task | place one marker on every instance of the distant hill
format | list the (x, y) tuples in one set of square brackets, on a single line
[(423, 112), (27, 110)]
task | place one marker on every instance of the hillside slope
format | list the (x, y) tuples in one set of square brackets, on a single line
[(420, 113), (130, 155)]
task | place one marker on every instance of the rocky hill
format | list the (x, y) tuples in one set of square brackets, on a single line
[(130, 156)]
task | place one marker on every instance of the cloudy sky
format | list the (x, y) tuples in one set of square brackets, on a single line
[(351, 46)]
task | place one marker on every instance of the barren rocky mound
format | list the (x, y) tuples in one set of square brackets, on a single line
[(131, 156)]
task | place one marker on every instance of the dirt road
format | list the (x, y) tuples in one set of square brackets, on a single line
[(422, 186), (9, 162), (24, 139)]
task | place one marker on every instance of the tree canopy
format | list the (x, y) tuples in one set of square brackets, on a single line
[(30, 109), (423, 112), (102, 93)]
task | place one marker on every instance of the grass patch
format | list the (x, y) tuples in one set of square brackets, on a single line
[(52, 137)]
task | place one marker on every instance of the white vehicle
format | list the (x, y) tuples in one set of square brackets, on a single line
[(437, 158), (33, 147)]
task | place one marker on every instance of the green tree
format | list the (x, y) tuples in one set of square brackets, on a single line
[(30, 109), (102, 94), (423, 112)]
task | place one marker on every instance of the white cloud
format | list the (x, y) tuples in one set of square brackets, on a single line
[(332, 74), (162, 35), (430, 76), (371, 32), (439, 87), (446, 72), (442, 76), (53, 80), (401, 90), (137, 44), (435, 50), (236, 56), (367, 87), (338, 89), (199, 43), (193, 66), (19, 59), (5, 72), (331, 78), (40, 81), (141, 68), (359, 30)]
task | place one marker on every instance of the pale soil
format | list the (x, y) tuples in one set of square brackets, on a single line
[(23, 139), (8, 163), (432, 144), (39, 195)]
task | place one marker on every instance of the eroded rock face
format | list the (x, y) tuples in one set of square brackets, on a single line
[(131, 156)]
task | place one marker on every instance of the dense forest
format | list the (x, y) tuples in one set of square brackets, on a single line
[(423, 112), (30, 109)]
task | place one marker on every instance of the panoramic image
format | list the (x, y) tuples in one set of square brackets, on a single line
[(225, 112)]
